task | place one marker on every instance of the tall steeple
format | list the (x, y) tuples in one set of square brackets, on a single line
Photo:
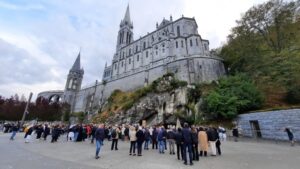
[(125, 35), (73, 84), (127, 20), (76, 65)]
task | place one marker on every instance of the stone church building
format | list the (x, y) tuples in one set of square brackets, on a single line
[(174, 46)]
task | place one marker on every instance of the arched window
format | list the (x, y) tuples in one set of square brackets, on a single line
[(144, 45), (146, 54), (191, 42), (176, 44), (178, 30)]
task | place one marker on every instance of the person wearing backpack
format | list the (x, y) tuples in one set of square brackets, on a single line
[(115, 137)]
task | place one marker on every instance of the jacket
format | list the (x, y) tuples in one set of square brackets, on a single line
[(100, 134), (187, 136)]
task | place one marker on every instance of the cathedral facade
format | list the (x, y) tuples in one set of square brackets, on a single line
[(174, 46)]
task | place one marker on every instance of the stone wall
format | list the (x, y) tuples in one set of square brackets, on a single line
[(194, 69), (271, 123)]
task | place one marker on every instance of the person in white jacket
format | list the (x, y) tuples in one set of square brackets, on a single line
[(132, 138)]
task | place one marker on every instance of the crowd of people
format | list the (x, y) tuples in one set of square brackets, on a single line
[(190, 142)]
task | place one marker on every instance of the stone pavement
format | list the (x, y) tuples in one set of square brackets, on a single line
[(68, 155)]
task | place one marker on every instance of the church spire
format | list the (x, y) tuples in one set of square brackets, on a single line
[(127, 20), (76, 65)]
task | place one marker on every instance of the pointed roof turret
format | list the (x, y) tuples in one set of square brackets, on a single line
[(76, 65), (127, 20)]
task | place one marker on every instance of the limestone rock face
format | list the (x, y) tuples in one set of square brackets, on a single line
[(158, 108)]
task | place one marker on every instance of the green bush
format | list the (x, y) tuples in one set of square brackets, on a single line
[(233, 95)]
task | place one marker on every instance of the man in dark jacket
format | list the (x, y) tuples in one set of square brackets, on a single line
[(140, 138), (46, 132), (187, 143), (99, 136), (212, 138), (154, 138), (179, 145)]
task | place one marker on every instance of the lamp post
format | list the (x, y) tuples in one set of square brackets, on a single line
[(26, 109)]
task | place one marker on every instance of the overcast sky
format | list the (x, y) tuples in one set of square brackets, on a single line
[(40, 39)]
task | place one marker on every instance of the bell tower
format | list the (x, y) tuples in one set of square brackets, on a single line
[(73, 83), (125, 34)]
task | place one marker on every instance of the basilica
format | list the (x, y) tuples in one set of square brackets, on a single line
[(174, 46)]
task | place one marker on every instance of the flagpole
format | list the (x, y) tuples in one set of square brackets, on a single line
[(26, 109)]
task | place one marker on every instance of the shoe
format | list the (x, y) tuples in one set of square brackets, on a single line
[(185, 163), (134, 154), (130, 154), (192, 164), (140, 155), (97, 157)]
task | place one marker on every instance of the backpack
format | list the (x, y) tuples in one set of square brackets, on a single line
[(114, 134)]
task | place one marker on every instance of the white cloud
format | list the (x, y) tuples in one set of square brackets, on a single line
[(41, 38)]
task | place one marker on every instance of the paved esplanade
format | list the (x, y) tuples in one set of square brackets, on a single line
[(68, 155)]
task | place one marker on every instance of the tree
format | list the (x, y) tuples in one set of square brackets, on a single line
[(233, 95), (271, 21)]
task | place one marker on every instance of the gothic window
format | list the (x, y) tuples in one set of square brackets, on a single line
[(137, 58), (196, 42), (136, 48), (191, 42), (176, 44), (144, 45), (182, 43), (127, 37), (178, 30), (129, 60), (70, 83), (146, 54)]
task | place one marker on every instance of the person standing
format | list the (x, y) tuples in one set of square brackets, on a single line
[(195, 144), (39, 130), (161, 140), (15, 129), (94, 128), (126, 133), (202, 142), (46, 131), (235, 134), (179, 145), (140, 137), (154, 138), (212, 138), (187, 143), (147, 139), (171, 139), (132, 137), (115, 137), (99, 136), (290, 135), (218, 142)]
